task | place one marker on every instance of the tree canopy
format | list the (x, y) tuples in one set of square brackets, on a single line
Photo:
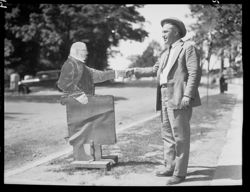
[(39, 36), (219, 25)]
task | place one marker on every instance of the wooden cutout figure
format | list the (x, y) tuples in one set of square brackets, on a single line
[(90, 118)]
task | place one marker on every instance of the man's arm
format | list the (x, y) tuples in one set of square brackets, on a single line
[(147, 71), (194, 71), (101, 76)]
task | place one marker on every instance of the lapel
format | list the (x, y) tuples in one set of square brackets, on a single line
[(162, 58), (176, 54)]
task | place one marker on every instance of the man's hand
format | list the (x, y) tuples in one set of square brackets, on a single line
[(120, 73), (185, 102), (126, 73)]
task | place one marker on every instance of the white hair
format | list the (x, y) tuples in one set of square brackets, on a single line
[(76, 48)]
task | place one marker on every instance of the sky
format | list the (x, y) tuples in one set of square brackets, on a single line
[(153, 13)]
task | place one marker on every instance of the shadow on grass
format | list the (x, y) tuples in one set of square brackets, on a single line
[(42, 98), (33, 98), (208, 171), (132, 83), (117, 170), (135, 163), (9, 115), (204, 174)]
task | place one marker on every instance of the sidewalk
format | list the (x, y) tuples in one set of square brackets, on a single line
[(229, 168)]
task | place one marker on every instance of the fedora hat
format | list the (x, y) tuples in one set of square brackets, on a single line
[(178, 23)]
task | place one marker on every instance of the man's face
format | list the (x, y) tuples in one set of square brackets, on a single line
[(82, 53), (169, 33)]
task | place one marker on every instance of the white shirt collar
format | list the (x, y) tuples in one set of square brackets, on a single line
[(176, 43)]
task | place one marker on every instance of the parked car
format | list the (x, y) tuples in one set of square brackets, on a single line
[(42, 79)]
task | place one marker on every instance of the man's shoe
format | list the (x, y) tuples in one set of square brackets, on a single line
[(164, 173), (175, 180)]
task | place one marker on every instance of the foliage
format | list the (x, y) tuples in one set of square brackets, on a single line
[(48, 30), (18, 54), (148, 57), (219, 26)]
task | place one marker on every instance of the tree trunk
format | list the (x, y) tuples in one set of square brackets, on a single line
[(97, 56), (222, 61), (31, 58), (230, 60)]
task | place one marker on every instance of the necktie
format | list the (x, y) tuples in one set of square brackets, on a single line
[(166, 58)]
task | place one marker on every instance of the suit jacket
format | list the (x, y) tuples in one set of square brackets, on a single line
[(77, 77), (183, 77)]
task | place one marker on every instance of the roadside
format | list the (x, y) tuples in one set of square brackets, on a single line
[(137, 164), (229, 167)]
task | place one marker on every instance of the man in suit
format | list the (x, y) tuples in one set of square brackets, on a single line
[(178, 74)]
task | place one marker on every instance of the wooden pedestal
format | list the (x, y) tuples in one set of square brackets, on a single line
[(105, 162), (90, 156)]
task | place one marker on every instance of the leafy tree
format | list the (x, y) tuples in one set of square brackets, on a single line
[(219, 26), (50, 29), (148, 57), (20, 54)]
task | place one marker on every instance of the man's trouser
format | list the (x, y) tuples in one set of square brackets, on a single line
[(176, 136)]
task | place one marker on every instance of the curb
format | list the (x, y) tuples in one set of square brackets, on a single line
[(229, 167)]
